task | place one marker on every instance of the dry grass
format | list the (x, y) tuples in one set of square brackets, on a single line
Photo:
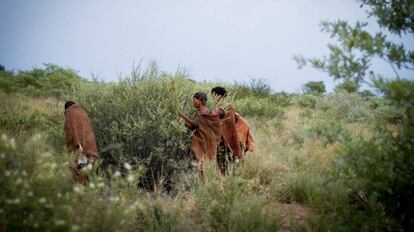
[(283, 173)]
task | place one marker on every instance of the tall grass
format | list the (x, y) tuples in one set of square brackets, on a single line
[(303, 174)]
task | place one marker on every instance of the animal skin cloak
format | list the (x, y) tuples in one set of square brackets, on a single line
[(244, 134), (229, 132), (206, 137), (78, 130)]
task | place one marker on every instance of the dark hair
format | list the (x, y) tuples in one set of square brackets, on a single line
[(220, 91), (68, 104), (201, 96)]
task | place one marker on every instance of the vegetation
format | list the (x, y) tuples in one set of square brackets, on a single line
[(314, 87), (51, 80), (375, 170), (151, 186), (338, 161)]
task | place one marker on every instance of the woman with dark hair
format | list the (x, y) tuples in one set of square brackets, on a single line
[(229, 148), (236, 137), (207, 132)]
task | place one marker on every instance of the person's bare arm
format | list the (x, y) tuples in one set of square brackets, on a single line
[(190, 123)]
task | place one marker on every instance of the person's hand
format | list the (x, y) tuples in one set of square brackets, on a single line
[(181, 114)]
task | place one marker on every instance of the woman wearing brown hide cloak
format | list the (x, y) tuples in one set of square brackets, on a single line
[(80, 140), (206, 136)]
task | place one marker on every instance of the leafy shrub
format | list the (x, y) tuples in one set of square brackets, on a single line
[(255, 87), (307, 101), (282, 99), (7, 81), (314, 87), (259, 107), (50, 81), (349, 107), (27, 199), (347, 86), (37, 193), (378, 171), (136, 121), (328, 129)]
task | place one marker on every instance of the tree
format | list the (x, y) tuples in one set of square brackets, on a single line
[(378, 170), (260, 87), (347, 85), (397, 15), (314, 87), (351, 58)]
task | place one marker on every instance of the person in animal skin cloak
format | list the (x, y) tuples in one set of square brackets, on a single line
[(80, 140), (236, 137), (207, 132)]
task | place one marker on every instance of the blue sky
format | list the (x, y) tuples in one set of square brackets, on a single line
[(215, 40)]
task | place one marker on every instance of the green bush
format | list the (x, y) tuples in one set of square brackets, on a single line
[(314, 87), (349, 107), (35, 190), (307, 101), (326, 128), (255, 87), (37, 193), (52, 80), (258, 107), (136, 121), (282, 99), (378, 171)]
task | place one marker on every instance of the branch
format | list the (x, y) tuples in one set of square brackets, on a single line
[(395, 71)]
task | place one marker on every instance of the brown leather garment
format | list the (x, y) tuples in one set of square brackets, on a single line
[(78, 130), (244, 134), (206, 137), (229, 132)]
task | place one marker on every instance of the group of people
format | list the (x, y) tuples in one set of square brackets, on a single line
[(220, 135)]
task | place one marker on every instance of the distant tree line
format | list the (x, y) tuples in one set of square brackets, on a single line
[(50, 80)]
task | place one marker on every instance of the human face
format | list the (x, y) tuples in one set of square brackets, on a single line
[(216, 97), (197, 103)]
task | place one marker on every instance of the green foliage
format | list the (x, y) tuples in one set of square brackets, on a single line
[(349, 107), (378, 171), (16, 117), (136, 121), (260, 107), (227, 206), (7, 81), (349, 86), (395, 15), (314, 87), (351, 59), (158, 216), (28, 202), (307, 101), (282, 99), (52, 80), (366, 94), (326, 128), (255, 87), (22, 116), (38, 193)]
